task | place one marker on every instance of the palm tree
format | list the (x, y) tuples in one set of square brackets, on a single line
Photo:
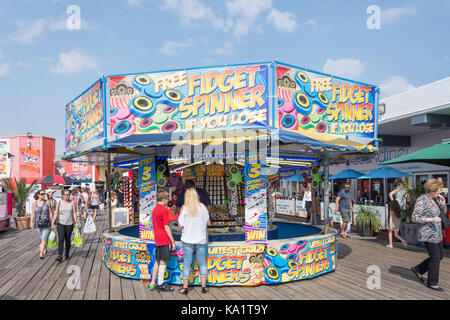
[(20, 190), (410, 197)]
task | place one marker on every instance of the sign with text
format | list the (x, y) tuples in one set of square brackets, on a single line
[(189, 100), (85, 119), (5, 162), (309, 101), (147, 197), (255, 198)]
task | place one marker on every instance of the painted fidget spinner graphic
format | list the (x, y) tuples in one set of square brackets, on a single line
[(275, 265), (307, 108), (149, 111), (317, 177), (235, 179), (161, 180)]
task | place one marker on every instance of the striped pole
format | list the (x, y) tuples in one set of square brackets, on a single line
[(130, 198)]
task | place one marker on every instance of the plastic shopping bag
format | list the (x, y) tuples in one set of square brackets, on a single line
[(51, 241), (77, 240), (89, 226)]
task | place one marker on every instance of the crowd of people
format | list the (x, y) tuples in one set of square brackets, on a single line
[(49, 214), (193, 207)]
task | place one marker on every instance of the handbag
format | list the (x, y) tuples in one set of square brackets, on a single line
[(444, 217), (43, 224)]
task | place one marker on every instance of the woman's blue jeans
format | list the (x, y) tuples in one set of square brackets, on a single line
[(188, 252)]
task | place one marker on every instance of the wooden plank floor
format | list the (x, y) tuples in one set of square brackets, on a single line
[(23, 276)]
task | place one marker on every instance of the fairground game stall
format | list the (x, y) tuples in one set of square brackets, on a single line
[(231, 129)]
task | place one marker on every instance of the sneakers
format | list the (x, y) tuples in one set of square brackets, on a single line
[(59, 259), (164, 287), (152, 286)]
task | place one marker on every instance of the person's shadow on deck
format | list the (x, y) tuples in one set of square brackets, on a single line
[(343, 251), (404, 273)]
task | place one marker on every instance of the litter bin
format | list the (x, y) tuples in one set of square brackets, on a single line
[(447, 234)]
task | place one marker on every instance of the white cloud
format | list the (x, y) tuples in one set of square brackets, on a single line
[(191, 11), (134, 3), (226, 50), (348, 68), (283, 21), (394, 85), (27, 31), (171, 48), (4, 69), (245, 13), (73, 62), (394, 14), (61, 24)]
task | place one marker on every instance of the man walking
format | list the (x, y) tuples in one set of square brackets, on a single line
[(345, 207)]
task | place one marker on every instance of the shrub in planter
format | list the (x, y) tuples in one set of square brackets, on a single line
[(21, 191), (367, 221)]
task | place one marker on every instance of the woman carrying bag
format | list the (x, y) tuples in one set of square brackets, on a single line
[(41, 217), (427, 211), (194, 219), (66, 215)]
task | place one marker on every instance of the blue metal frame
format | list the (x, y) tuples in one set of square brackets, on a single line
[(273, 66), (105, 112), (193, 68)]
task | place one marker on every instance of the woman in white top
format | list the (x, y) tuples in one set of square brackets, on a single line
[(194, 219), (308, 202)]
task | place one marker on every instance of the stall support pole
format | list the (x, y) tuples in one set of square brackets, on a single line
[(108, 188)]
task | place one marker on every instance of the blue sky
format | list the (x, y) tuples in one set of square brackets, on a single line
[(44, 65)]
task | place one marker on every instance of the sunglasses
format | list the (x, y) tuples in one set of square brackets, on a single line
[(42, 194)]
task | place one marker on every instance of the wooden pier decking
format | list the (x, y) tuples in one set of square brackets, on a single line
[(23, 276)]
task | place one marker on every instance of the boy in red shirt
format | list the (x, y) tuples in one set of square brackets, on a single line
[(163, 240)]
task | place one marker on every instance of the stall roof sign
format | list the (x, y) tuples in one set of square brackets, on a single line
[(132, 108)]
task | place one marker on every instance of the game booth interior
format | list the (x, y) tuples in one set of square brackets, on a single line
[(231, 129)]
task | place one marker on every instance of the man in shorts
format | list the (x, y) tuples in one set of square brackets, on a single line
[(345, 207), (163, 240)]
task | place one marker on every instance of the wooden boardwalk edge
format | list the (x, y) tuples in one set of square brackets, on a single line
[(23, 276)]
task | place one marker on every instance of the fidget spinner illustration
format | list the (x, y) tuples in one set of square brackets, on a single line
[(161, 121), (287, 114), (160, 178), (144, 104), (292, 249), (276, 266), (309, 108), (236, 177), (286, 83), (121, 90), (317, 177)]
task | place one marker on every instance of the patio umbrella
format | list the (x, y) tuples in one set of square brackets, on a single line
[(385, 173), (294, 178), (438, 154), (54, 179), (347, 174)]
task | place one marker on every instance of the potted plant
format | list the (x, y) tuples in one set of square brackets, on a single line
[(21, 191), (408, 229), (367, 221)]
